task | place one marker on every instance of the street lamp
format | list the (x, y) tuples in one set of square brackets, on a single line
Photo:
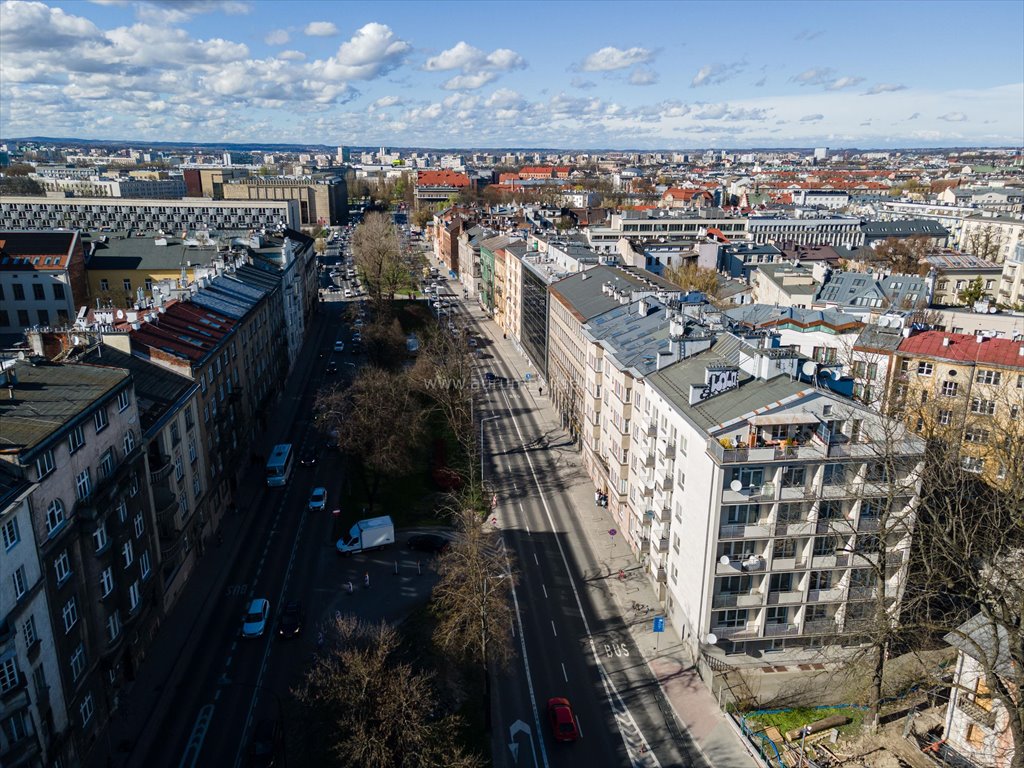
[(483, 644)]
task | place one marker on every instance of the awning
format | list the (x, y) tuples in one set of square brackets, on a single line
[(792, 417)]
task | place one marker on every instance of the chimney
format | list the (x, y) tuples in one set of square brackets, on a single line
[(945, 341)]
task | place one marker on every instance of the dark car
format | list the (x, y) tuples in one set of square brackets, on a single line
[(332, 367), (309, 457), (428, 542), (265, 744), (290, 623)]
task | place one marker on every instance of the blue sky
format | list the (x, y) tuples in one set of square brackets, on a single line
[(579, 75)]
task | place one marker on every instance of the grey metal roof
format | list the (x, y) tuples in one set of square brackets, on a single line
[(583, 291), (674, 383), (143, 253), (757, 315), (903, 227), (849, 287), (229, 296), (634, 340), (49, 398), (875, 337), (496, 243), (156, 388), (984, 640)]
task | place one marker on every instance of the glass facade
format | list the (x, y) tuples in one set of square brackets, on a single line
[(534, 318)]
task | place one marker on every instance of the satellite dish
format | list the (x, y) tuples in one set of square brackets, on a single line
[(808, 368), (736, 486), (76, 340), (120, 314), (711, 639), (724, 559)]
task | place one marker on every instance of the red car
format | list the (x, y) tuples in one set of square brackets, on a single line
[(563, 722)]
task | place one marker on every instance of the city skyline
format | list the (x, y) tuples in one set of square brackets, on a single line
[(736, 76)]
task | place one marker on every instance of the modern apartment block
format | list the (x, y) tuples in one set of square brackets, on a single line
[(779, 513), (72, 432), (828, 230), (42, 279), (171, 216)]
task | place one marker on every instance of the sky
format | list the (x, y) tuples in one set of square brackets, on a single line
[(574, 75)]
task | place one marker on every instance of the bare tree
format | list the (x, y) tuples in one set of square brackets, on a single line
[(984, 242), (377, 254), (472, 598), (904, 255), (364, 707), (378, 420), (690, 277)]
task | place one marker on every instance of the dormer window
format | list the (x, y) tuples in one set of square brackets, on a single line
[(826, 410)]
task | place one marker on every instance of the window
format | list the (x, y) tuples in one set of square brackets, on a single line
[(100, 420), (138, 524), (8, 675), (113, 626), (873, 508), (134, 596), (123, 400), (834, 474), (734, 585), (175, 433), (793, 476), (144, 565), (83, 485), (62, 567), (104, 284), (192, 454), (23, 317), (734, 618), (825, 545), (107, 463), (750, 477), (19, 292), (741, 514), (122, 510), (44, 465), (54, 516), (128, 553), (777, 615), (985, 407), (189, 418), (37, 292), (179, 467), (976, 435), (988, 377), (830, 509), (58, 291), (78, 662), (106, 581), (86, 709), (44, 317), (972, 464), (70, 614), (126, 284), (780, 582), (76, 439), (197, 485), (821, 580), (183, 503), (10, 534), (129, 442), (945, 417), (924, 368), (20, 582), (29, 630), (950, 389), (816, 613)]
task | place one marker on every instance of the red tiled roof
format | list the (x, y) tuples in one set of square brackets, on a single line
[(716, 233), (964, 348), (37, 250), (442, 179), (184, 329)]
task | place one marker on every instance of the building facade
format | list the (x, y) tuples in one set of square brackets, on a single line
[(42, 279)]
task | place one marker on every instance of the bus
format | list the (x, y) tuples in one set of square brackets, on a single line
[(279, 465)]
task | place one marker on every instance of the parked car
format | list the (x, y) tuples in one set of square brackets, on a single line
[(349, 294), (339, 346), (427, 542), (309, 457), (255, 622), (292, 619), (332, 367), (317, 499), (562, 719)]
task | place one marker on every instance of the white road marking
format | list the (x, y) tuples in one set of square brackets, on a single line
[(555, 631), (535, 558), (545, 590), (564, 673), (228, 662), (611, 693)]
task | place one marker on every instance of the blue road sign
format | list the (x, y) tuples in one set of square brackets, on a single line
[(659, 623)]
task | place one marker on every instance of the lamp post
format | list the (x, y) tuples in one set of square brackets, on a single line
[(483, 644)]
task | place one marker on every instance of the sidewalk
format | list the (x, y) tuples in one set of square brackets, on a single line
[(135, 727), (669, 660)]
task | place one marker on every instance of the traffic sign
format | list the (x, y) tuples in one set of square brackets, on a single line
[(659, 624), (612, 532)]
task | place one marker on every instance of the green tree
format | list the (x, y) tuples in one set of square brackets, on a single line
[(975, 291)]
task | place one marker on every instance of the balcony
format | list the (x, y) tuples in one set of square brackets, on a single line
[(820, 627), (740, 632), (159, 468), (756, 530), (661, 575), (867, 525), (649, 460), (977, 713), (668, 451), (798, 528), (789, 563), (861, 593), (830, 595), (652, 429), (165, 505), (781, 630), (739, 565), (663, 545), (648, 492), (665, 515), (785, 598)]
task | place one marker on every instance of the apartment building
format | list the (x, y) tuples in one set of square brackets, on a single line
[(323, 201), (954, 272), (623, 345), (112, 215), (874, 232), (33, 717), (511, 316), (780, 513), (1011, 281), (98, 186), (992, 236), (486, 294), (689, 226), (71, 431), (176, 459), (434, 187), (969, 389), (828, 230), (574, 301), (42, 279)]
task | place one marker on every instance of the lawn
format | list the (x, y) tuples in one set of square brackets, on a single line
[(801, 716)]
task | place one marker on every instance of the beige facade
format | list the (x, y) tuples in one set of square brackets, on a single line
[(321, 202), (513, 295), (992, 237)]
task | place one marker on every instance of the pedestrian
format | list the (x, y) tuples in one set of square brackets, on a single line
[(349, 587), (366, 580), (597, 498), (540, 391)]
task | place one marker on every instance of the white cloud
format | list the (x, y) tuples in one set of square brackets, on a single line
[(807, 34), (843, 82), (387, 101), (505, 98), (277, 37), (878, 88), (321, 29), (579, 82), (178, 11), (643, 76), (914, 116), (469, 82), (826, 78), (372, 51), (812, 118), (713, 74), (292, 55), (610, 58), (954, 117)]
